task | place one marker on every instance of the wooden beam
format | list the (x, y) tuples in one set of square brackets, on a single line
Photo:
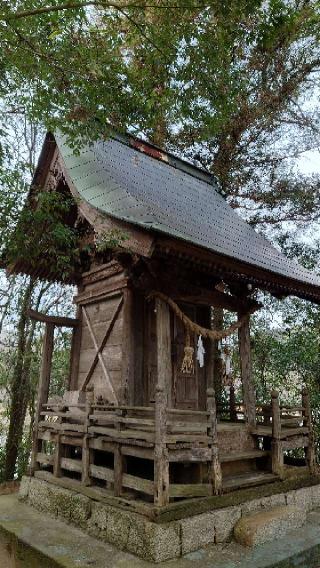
[(249, 396), (216, 299), (234, 269), (55, 320)]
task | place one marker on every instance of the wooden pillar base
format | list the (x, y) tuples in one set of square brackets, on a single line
[(277, 458), (216, 472)]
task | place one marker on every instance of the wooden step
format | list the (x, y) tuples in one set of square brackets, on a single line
[(266, 431), (239, 456), (248, 479)]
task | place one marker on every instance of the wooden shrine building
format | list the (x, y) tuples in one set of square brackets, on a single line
[(139, 417)]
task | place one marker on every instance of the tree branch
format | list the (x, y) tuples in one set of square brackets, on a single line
[(87, 3)]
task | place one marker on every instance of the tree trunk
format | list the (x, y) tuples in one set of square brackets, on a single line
[(20, 389)]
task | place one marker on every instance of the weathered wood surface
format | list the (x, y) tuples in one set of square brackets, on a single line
[(307, 420), (146, 433), (161, 459), (249, 397), (190, 490), (276, 444), (103, 473), (128, 344), (99, 348), (55, 320), (43, 388), (215, 467)]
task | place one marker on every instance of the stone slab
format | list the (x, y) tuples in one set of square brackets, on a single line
[(268, 525), (41, 541)]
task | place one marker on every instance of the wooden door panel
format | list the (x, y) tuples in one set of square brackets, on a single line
[(186, 386), (101, 348)]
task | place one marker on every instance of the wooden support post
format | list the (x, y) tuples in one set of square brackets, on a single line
[(161, 458), (233, 410), (118, 461), (162, 400), (86, 451), (214, 467), (43, 389), (128, 361), (249, 397), (307, 422), (277, 451), (164, 365), (57, 457), (75, 352)]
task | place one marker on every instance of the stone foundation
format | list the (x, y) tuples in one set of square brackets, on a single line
[(153, 541)]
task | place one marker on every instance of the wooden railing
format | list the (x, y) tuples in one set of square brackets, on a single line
[(292, 428), (72, 438), (69, 435)]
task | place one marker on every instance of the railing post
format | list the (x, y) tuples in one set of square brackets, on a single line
[(277, 451), (118, 459), (307, 421), (215, 467), (161, 459), (86, 452), (233, 409), (57, 456), (43, 390)]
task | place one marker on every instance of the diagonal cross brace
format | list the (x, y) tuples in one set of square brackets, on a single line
[(99, 348)]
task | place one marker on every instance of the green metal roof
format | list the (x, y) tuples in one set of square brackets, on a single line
[(138, 183)]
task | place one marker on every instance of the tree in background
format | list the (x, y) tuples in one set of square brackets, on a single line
[(230, 83), (19, 357)]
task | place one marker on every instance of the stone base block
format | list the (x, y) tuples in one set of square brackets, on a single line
[(268, 525), (134, 533), (254, 521)]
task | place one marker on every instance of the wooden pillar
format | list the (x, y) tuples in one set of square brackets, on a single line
[(164, 364), (277, 452), (161, 458), (127, 394), (214, 467), (217, 361), (162, 401), (43, 388), (75, 353), (307, 422), (249, 397), (86, 451)]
